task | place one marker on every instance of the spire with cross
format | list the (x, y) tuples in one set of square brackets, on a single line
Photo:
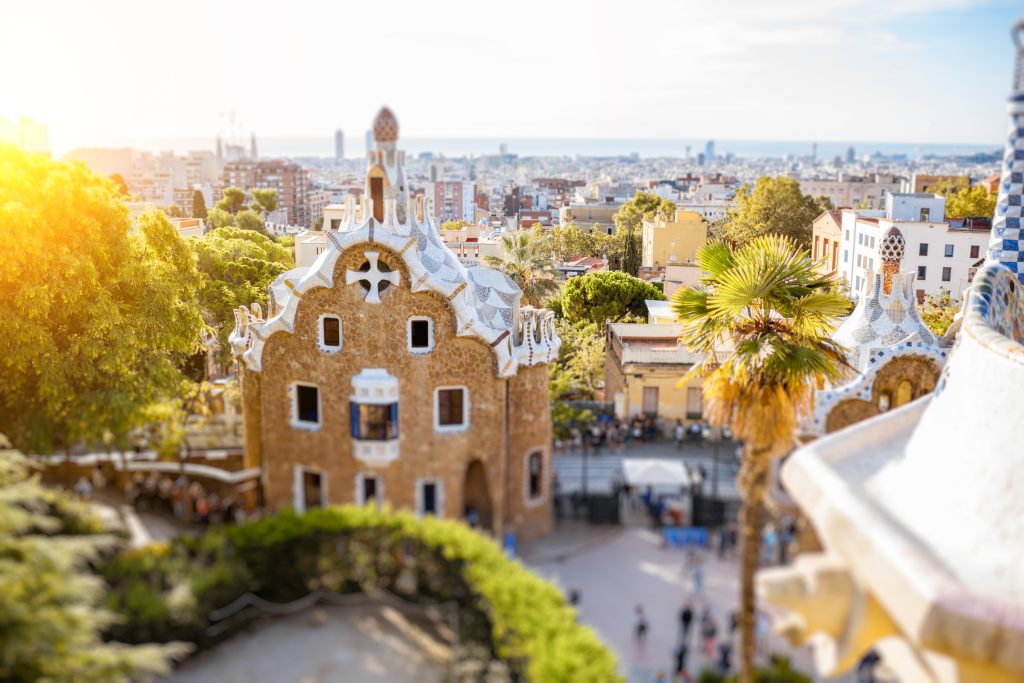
[(373, 276)]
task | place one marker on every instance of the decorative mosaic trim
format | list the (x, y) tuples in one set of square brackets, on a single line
[(995, 311), (862, 386), (1005, 245)]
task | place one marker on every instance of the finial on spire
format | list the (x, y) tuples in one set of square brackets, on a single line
[(385, 126), (892, 248)]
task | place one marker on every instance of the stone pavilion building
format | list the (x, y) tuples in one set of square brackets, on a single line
[(388, 373)]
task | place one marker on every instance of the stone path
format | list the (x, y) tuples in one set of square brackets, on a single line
[(356, 644), (632, 568)]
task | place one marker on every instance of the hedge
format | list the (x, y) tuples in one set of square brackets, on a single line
[(166, 592)]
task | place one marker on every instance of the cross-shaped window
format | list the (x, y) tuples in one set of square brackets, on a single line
[(373, 276)]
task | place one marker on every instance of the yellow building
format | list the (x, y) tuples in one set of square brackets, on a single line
[(673, 241), (643, 366)]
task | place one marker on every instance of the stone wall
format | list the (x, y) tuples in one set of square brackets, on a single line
[(903, 378)]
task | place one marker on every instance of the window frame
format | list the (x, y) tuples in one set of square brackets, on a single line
[(299, 487), (296, 421), (421, 484), (949, 250), (947, 273), (545, 464), (922, 249), (361, 477), (321, 333), (922, 272), (447, 429), (975, 251), (420, 351)]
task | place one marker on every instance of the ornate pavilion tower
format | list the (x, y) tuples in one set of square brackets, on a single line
[(1005, 246)]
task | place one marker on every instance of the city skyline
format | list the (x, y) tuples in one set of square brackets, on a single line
[(701, 72)]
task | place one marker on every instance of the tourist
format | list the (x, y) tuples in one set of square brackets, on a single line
[(682, 650), (83, 488), (574, 597), (99, 482), (639, 625), (710, 632), (697, 577), (472, 516), (685, 621), (678, 433), (724, 658)]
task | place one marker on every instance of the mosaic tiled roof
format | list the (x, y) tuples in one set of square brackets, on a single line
[(1005, 246)]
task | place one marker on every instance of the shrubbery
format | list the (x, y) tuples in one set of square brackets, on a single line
[(167, 592)]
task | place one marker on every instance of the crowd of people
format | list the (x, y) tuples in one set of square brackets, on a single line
[(613, 433), (187, 500)]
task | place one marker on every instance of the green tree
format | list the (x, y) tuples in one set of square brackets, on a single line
[(607, 295), (762, 319), (250, 220), (938, 312), (50, 619), (569, 242), (120, 184), (774, 206), (174, 211), (318, 224), (95, 321), (456, 225), (198, 205), (629, 225), (219, 218), (265, 199), (970, 202), (525, 259), (579, 369), (232, 200), (236, 267)]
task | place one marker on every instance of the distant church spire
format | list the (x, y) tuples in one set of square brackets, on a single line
[(253, 152), (1005, 246)]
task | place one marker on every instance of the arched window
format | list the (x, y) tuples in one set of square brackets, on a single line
[(904, 392), (884, 401)]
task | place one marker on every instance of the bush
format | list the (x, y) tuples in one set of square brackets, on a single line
[(167, 592)]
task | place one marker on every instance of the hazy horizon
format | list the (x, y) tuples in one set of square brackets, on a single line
[(934, 72)]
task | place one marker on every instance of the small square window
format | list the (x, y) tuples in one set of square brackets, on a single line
[(307, 405), (330, 333), (922, 272), (922, 249), (949, 251), (421, 335), (975, 251), (450, 409), (947, 274)]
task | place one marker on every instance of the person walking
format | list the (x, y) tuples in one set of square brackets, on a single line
[(640, 625), (724, 658), (678, 432), (682, 650), (685, 621), (697, 576), (710, 632)]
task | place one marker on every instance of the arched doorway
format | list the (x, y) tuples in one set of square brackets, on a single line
[(476, 499)]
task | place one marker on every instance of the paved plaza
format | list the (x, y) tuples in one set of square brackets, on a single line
[(625, 567)]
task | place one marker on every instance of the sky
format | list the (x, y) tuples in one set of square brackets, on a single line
[(108, 72)]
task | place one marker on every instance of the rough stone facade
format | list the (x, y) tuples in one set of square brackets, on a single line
[(900, 381), (359, 421), (509, 418)]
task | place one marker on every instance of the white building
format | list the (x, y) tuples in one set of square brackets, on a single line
[(852, 191), (942, 255)]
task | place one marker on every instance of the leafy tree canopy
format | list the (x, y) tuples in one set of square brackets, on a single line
[(94, 320), (119, 184), (773, 206), (198, 205), (456, 225), (525, 258), (608, 295), (236, 267), (50, 620), (629, 221), (970, 202), (250, 220), (265, 199), (232, 200), (938, 312)]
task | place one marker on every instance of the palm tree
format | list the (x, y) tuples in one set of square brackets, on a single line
[(526, 258), (762, 318)]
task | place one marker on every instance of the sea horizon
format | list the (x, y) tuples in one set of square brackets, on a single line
[(355, 148)]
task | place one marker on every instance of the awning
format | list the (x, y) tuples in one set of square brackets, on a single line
[(654, 472)]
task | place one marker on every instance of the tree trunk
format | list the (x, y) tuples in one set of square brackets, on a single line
[(753, 481)]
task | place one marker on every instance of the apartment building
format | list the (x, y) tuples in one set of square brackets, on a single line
[(290, 180)]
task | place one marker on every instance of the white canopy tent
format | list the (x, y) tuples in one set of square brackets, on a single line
[(655, 472)]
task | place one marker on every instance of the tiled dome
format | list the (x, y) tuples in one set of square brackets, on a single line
[(893, 245), (385, 126)]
